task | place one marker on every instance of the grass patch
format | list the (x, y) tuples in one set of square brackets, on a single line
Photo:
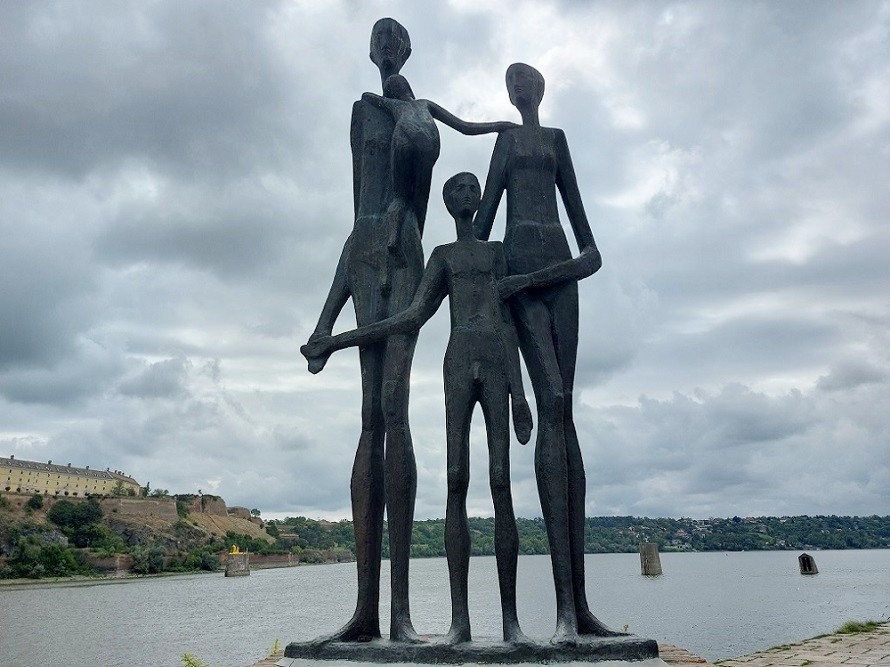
[(852, 627), (781, 647)]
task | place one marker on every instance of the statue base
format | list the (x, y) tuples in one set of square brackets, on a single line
[(482, 652)]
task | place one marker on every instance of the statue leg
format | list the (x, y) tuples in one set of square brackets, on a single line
[(496, 408), (459, 402), (401, 478), (367, 487), (565, 318), (534, 329)]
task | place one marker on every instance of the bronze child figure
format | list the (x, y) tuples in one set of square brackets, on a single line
[(481, 366)]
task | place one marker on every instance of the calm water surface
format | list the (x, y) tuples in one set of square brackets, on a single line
[(714, 604)]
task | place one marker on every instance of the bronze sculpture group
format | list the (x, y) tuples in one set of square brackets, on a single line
[(521, 294)]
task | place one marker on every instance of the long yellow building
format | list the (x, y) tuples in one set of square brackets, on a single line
[(18, 476)]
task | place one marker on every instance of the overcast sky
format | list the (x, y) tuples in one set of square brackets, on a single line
[(175, 189)]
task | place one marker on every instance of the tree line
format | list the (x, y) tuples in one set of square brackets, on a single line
[(620, 534)]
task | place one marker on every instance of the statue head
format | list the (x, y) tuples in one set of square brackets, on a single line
[(525, 86), (462, 194), (396, 87), (390, 45)]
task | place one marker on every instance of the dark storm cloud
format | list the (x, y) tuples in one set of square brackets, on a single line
[(180, 85), (175, 189)]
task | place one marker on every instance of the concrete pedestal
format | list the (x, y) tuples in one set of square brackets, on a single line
[(238, 565)]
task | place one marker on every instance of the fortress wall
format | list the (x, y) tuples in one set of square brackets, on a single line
[(208, 505), (162, 508), (111, 565), (264, 561)]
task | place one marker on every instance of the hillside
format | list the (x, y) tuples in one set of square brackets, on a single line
[(47, 536)]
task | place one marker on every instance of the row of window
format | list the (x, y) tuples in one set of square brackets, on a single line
[(57, 493), (21, 473)]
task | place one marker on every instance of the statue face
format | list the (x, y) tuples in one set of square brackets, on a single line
[(462, 194), (525, 85), (390, 46)]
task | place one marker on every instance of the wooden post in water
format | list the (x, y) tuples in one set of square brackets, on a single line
[(650, 562), (807, 564)]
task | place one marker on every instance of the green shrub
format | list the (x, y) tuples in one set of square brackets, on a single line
[(35, 502), (148, 560), (182, 509)]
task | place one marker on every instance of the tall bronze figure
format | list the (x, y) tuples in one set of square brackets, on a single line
[(395, 144), (379, 480), (530, 163)]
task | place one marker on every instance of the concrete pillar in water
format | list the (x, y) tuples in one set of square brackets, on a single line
[(650, 562), (238, 564), (807, 564)]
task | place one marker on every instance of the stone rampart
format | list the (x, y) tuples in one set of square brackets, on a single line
[(161, 508), (265, 561), (213, 505), (112, 565), (240, 512)]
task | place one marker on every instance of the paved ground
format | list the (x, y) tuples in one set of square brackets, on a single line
[(863, 649)]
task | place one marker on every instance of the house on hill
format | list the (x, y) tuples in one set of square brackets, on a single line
[(19, 476)]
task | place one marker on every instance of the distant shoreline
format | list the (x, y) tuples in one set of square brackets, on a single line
[(100, 579)]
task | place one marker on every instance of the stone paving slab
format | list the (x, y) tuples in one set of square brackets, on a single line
[(861, 649)]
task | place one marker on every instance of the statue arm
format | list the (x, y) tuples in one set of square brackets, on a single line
[(430, 293), (522, 416), (465, 126), (590, 261), (508, 328), (495, 184), (355, 142), (337, 296)]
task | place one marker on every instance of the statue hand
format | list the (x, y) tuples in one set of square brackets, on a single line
[(508, 286), (522, 419), (317, 352)]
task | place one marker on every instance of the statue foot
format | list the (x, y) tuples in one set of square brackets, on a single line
[(513, 635), (565, 634), (456, 635), (403, 631), (356, 630), (588, 624)]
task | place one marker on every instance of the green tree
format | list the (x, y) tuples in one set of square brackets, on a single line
[(148, 559), (35, 502), (66, 514)]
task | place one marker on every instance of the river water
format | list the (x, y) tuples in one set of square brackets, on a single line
[(716, 605)]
